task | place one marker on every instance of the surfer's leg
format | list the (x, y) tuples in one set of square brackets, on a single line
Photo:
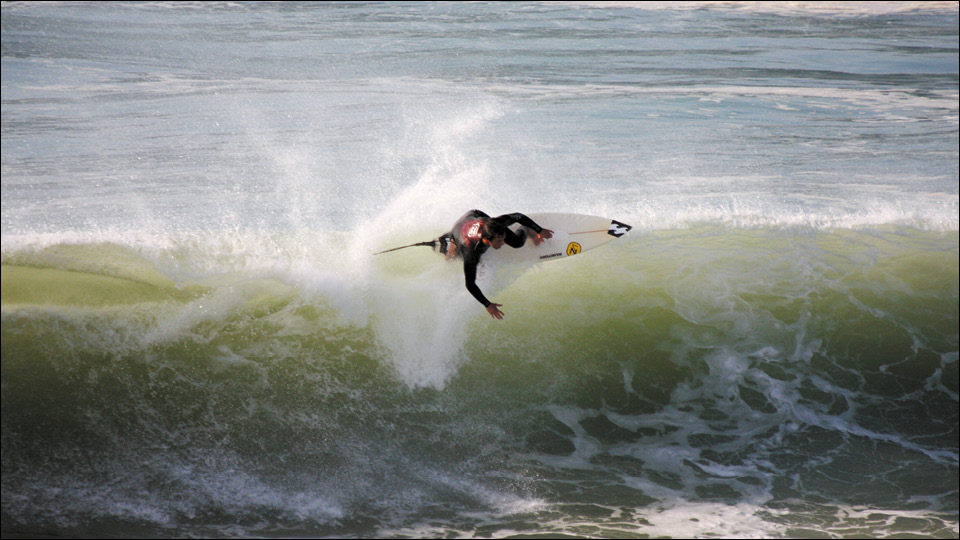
[(447, 246)]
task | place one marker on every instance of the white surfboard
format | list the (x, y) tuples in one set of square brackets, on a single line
[(572, 234)]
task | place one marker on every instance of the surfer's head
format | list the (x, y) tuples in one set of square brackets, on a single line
[(493, 233)]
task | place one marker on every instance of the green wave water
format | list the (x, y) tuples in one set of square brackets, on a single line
[(737, 381)]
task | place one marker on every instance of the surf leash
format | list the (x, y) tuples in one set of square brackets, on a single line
[(431, 243)]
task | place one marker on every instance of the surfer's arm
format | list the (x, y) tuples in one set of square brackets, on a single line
[(470, 273), (515, 240), (470, 277), (517, 217)]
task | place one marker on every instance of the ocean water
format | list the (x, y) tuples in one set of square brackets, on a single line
[(198, 341)]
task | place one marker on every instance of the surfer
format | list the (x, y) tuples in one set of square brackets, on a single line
[(476, 232)]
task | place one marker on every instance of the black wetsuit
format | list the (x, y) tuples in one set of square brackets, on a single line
[(470, 247)]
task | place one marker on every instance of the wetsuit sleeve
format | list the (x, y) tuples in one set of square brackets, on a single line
[(513, 239), (470, 276), (517, 217)]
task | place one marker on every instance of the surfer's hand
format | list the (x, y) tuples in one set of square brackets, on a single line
[(544, 234), (494, 311)]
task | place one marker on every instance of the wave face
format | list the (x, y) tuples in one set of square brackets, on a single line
[(667, 378), (198, 342)]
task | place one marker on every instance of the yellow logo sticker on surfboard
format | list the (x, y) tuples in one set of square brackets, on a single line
[(573, 248)]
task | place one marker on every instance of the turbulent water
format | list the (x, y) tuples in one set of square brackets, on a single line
[(198, 341)]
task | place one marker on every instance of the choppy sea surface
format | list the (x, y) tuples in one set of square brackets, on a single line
[(198, 342)]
